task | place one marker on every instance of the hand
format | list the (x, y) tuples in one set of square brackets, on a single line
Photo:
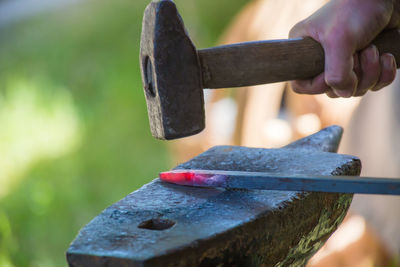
[(345, 29)]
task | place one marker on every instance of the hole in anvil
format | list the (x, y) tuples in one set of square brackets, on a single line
[(156, 224)]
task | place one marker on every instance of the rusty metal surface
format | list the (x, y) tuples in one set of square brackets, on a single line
[(169, 225), (326, 140), (170, 74)]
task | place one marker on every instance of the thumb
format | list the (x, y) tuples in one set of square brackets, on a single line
[(298, 30)]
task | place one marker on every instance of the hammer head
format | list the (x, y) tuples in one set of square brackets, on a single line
[(171, 74)]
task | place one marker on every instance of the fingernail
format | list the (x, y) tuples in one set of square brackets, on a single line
[(390, 63), (373, 53)]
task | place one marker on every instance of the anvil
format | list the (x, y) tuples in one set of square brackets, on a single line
[(163, 224)]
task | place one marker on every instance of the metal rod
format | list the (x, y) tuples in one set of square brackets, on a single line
[(265, 181)]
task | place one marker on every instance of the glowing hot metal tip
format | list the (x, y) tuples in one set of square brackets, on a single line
[(193, 178)]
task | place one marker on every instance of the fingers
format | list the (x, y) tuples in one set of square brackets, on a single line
[(313, 86), (344, 27), (339, 64), (388, 71), (299, 30), (346, 73), (377, 71), (370, 70)]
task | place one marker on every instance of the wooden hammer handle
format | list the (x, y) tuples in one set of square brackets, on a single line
[(261, 62)]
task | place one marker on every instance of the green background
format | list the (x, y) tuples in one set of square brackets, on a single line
[(74, 134)]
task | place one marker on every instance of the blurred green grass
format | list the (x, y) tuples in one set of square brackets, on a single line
[(74, 133)]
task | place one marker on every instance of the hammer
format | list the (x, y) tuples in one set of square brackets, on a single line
[(174, 72)]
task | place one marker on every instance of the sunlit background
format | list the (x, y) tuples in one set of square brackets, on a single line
[(74, 134)]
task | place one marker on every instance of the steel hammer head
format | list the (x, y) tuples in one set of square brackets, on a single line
[(171, 74)]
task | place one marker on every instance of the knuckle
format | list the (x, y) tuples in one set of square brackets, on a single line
[(361, 92), (331, 94), (378, 87), (383, 10), (336, 80), (342, 80), (299, 29), (297, 88), (294, 30), (390, 77)]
